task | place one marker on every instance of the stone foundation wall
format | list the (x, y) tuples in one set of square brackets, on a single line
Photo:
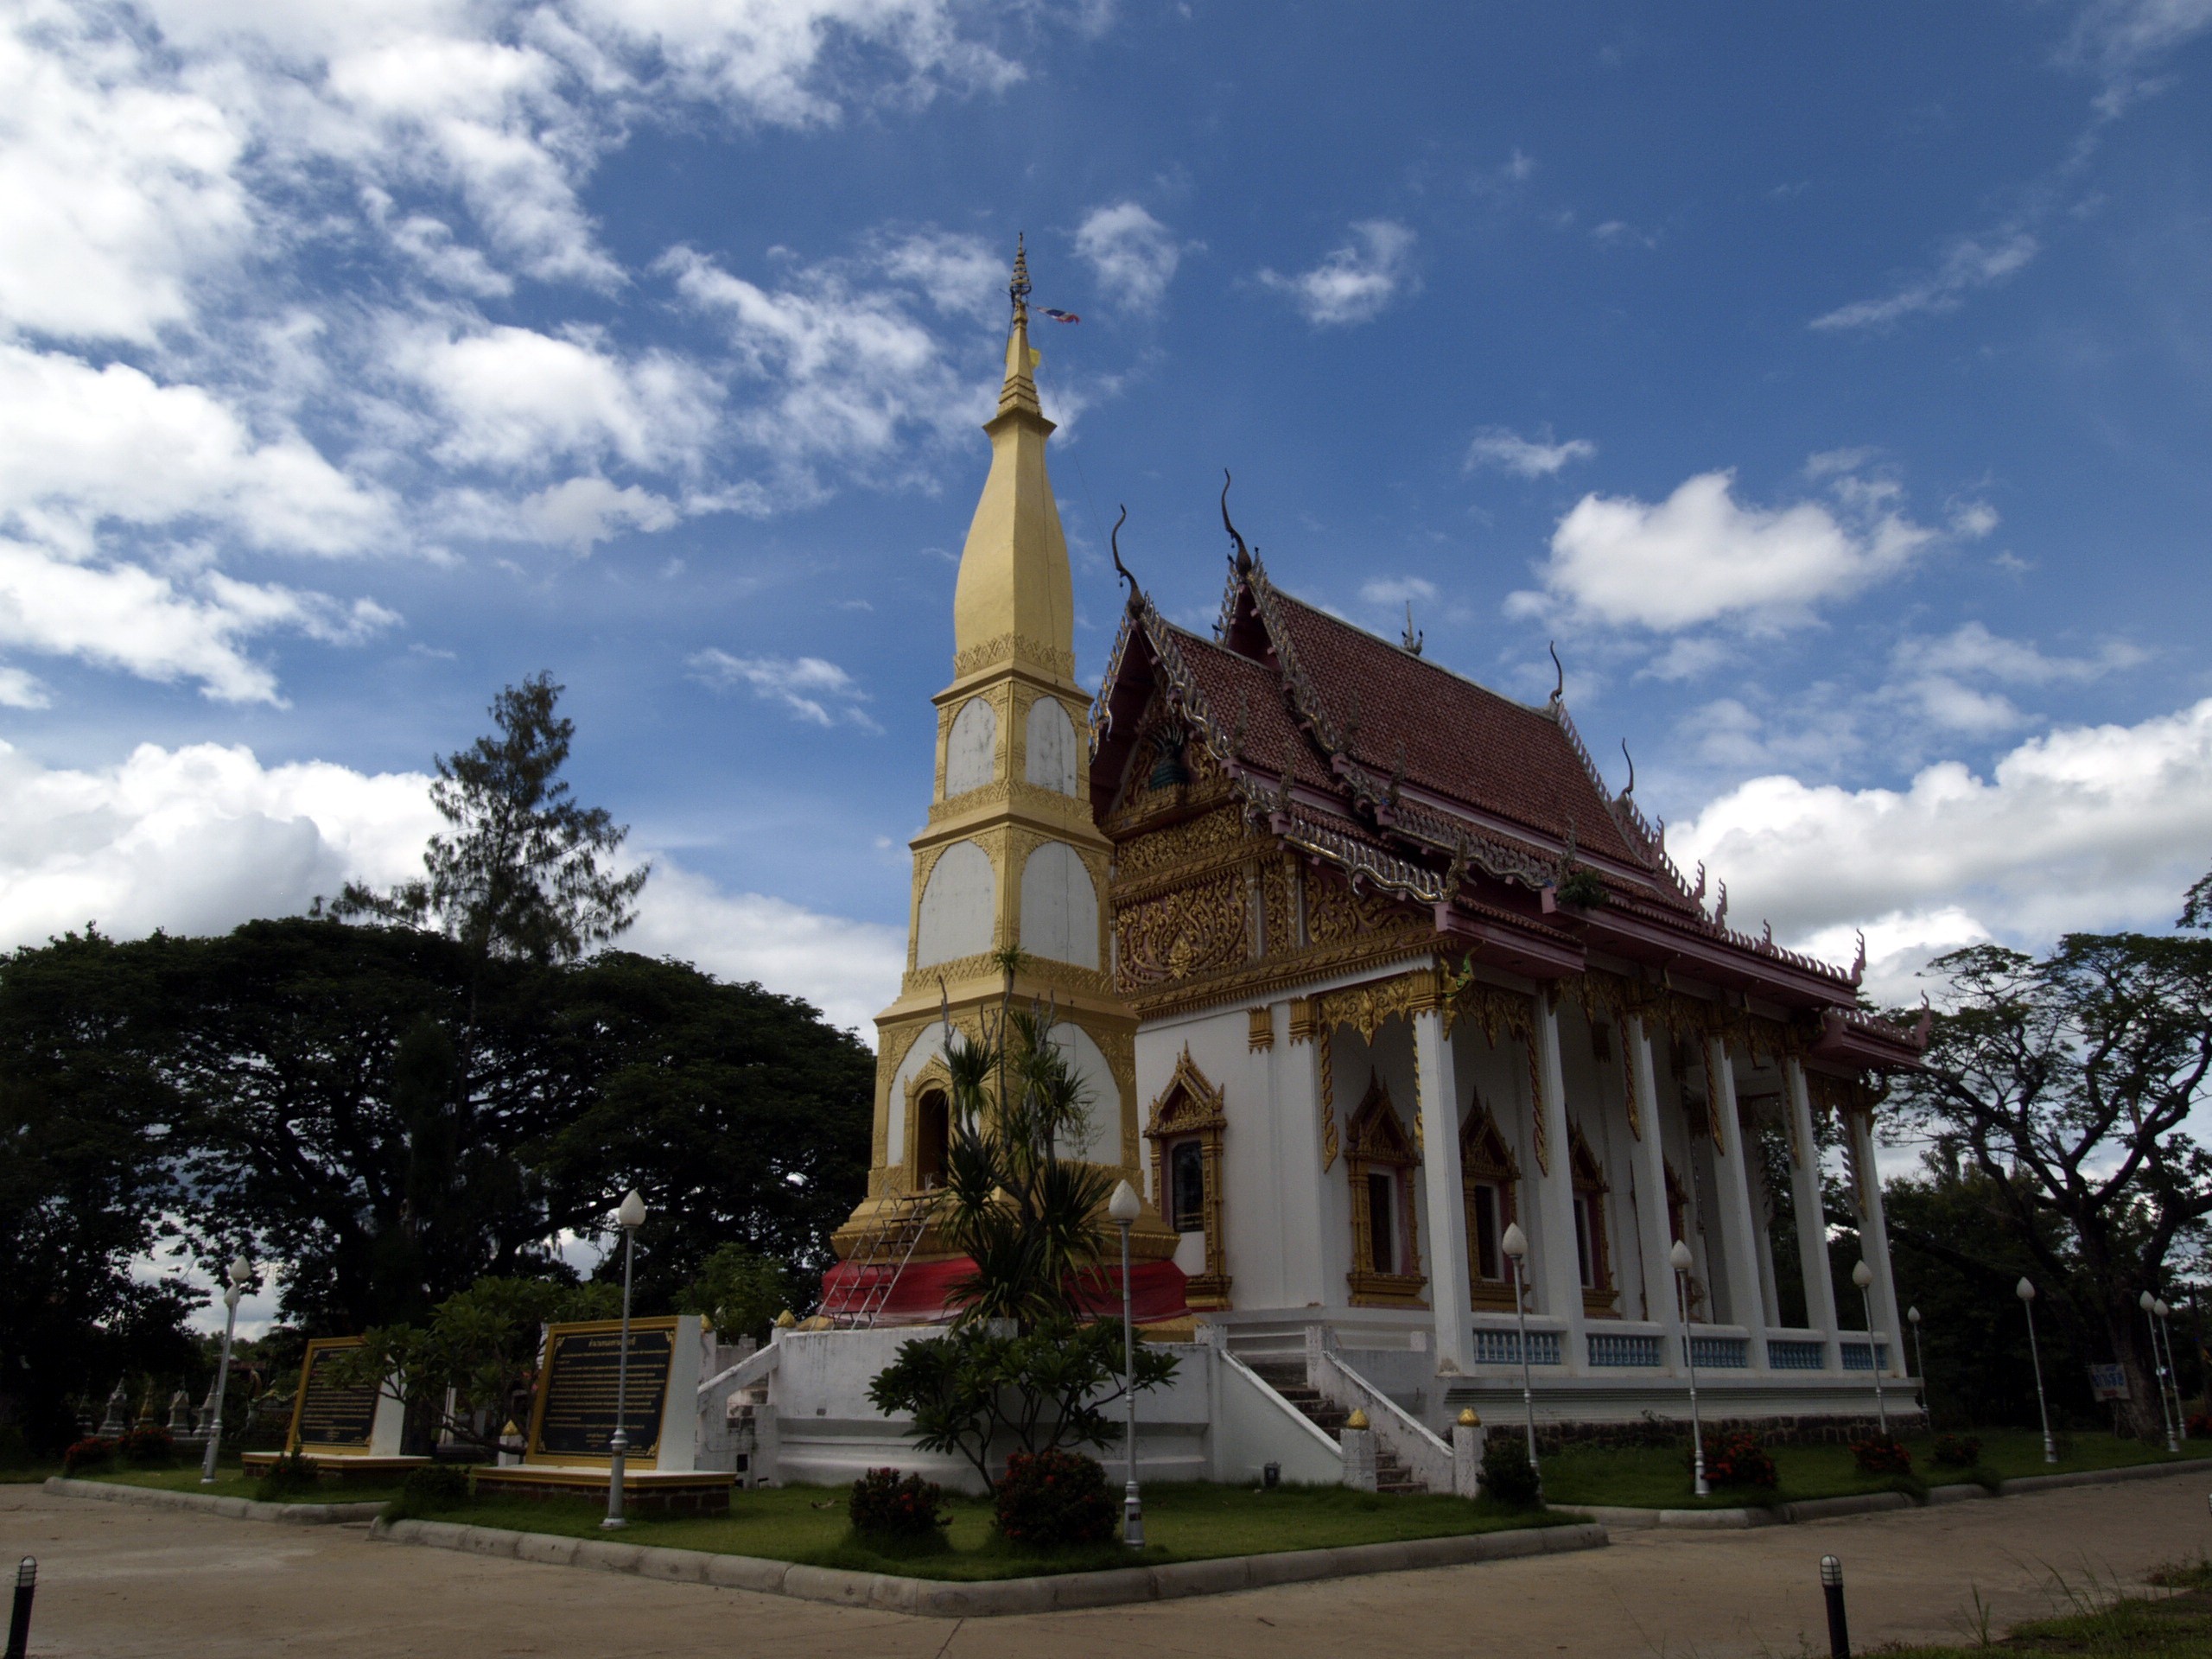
[(1670, 1431)]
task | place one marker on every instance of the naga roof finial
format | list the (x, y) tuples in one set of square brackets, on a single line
[(1411, 641), (1114, 540), (1017, 287), (1241, 559), (1559, 688), (1858, 963), (1631, 758)]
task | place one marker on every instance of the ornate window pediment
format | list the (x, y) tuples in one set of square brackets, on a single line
[(1593, 1254), (1380, 1158), (1490, 1180), (1185, 1127)]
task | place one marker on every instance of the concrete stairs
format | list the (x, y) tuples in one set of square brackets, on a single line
[(1287, 1378)]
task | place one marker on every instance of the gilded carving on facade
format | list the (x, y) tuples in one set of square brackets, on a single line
[(1176, 847), (1010, 647), (1377, 1143), (1192, 930), (1328, 1101), (1365, 1007), (1259, 1028), (1538, 1138), (1047, 971), (1335, 914)]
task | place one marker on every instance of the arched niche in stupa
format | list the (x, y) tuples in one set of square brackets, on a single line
[(971, 749), (1050, 755), (1059, 907), (957, 907)]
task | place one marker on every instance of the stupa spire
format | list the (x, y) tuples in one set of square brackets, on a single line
[(1013, 600)]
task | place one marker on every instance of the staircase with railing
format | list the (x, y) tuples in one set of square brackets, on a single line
[(1287, 1378)]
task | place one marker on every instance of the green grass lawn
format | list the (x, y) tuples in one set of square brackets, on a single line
[(1659, 1478), (1183, 1522), (2176, 1626), (232, 1481), (29, 1474)]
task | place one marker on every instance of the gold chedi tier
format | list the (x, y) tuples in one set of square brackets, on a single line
[(1011, 856)]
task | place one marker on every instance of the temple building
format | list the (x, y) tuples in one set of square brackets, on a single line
[(1369, 973)]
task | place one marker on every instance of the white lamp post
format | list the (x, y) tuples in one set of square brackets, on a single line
[(1919, 1360), (1679, 1257), (1863, 1276), (629, 1218), (1125, 1207), (241, 1275), (2149, 1303), (2026, 1292), (1515, 1246), (2173, 1374)]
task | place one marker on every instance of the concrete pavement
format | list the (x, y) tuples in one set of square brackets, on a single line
[(121, 1582)]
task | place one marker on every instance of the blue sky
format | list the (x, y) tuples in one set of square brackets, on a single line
[(1834, 384)]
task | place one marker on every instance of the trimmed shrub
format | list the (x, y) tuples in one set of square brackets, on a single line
[(2199, 1425), (87, 1455), (884, 1504), (287, 1476), (1055, 1500), (1739, 1458), (428, 1490), (1957, 1451), (1508, 1476), (149, 1446), (1881, 1454)]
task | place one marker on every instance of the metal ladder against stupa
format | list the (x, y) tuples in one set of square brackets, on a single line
[(876, 1266)]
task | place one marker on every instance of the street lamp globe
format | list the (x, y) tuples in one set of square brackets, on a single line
[(2160, 1308), (1679, 1257), (241, 1271), (632, 1214), (1515, 1242), (2024, 1291), (1125, 1206), (2147, 1302), (1862, 1275)]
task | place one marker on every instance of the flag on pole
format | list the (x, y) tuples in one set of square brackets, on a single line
[(1061, 316)]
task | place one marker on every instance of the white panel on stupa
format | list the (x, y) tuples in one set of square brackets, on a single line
[(927, 1047), (971, 751), (1059, 907), (1050, 751), (1100, 1094), (957, 907)]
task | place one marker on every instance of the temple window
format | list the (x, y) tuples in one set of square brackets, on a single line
[(1590, 1243), (1379, 1161), (1491, 1182), (1186, 1124)]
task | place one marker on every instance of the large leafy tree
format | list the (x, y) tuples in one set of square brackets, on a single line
[(88, 1130), (2065, 1085)]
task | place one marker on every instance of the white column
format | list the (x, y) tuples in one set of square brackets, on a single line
[(1874, 1237), (1805, 1198), (1436, 1089), (1557, 1267), (1739, 1230), (1303, 1220), (1660, 1303)]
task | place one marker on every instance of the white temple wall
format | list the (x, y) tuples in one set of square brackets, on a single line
[(958, 906), (1221, 1051), (971, 749)]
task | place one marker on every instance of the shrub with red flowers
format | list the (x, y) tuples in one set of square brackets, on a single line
[(1957, 1451), (87, 1455), (1881, 1454), (149, 1445), (1054, 1500), (886, 1505), (1739, 1458)]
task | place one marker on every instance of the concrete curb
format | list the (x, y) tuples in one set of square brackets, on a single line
[(938, 1598), (1828, 1509), (237, 1509)]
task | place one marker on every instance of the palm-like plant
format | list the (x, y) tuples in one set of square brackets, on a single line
[(1022, 1213)]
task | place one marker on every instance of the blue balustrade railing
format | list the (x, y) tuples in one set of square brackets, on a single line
[(1503, 1347), (1855, 1357), (1721, 1353), (1796, 1354), (1623, 1348)]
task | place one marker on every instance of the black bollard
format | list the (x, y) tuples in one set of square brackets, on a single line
[(1832, 1587), (19, 1622)]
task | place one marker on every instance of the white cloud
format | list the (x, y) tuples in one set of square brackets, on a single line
[(851, 376), (1396, 590), (816, 691), (2082, 827), (517, 399), (961, 275), (79, 446), (1700, 557), (21, 690), (1132, 254), (1356, 281), (2119, 39), (189, 626), (198, 839), (849, 969), (582, 510), (1966, 264), (1494, 446)]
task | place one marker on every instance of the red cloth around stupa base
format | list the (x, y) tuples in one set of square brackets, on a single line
[(923, 1290)]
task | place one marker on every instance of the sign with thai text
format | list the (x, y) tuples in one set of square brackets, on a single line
[(328, 1415), (577, 1397), (2108, 1381)]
